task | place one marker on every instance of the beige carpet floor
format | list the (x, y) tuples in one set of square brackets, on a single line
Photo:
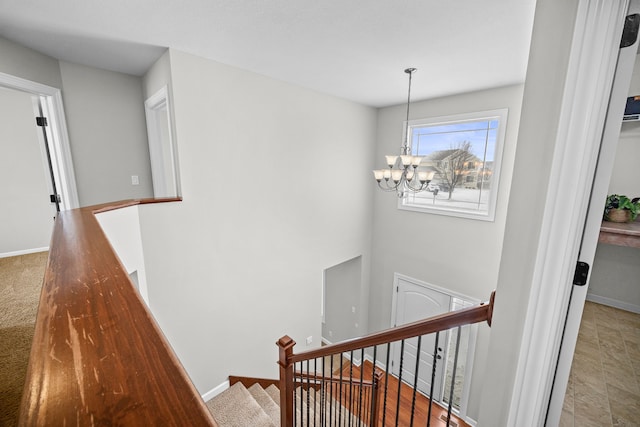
[(20, 285)]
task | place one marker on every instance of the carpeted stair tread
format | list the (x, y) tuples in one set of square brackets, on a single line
[(274, 393), (266, 403), (236, 407)]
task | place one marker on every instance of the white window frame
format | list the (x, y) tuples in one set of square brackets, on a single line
[(488, 215)]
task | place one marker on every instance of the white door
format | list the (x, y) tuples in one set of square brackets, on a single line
[(415, 302)]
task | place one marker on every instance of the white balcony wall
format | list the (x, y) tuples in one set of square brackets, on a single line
[(277, 187)]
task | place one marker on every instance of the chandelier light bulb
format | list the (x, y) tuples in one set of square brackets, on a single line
[(391, 160)]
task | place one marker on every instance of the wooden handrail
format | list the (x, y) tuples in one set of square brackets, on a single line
[(288, 359), (480, 313), (98, 357)]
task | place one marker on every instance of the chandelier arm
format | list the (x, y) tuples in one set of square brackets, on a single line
[(422, 187), (387, 187)]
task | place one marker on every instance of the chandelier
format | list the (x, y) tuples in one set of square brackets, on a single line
[(402, 175)]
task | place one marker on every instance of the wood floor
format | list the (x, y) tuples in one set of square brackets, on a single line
[(438, 414)]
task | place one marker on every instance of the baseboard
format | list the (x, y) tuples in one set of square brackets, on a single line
[(614, 303), (24, 252), (215, 391)]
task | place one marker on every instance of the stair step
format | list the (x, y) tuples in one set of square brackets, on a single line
[(257, 407), (236, 407), (274, 393), (266, 403)]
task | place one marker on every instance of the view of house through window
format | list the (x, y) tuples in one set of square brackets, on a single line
[(464, 151)]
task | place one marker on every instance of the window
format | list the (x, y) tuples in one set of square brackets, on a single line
[(464, 151)]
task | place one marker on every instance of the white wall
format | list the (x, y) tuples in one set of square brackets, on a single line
[(276, 187), (122, 228), (26, 217), (107, 129), (105, 117), (23, 62), (157, 76), (548, 59), (459, 254)]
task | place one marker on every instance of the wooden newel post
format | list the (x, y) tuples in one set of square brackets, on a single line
[(285, 345), (490, 310)]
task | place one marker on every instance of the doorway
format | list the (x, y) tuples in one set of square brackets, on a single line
[(603, 374), (28, 214), (46, 101), (575, 329), (415, 300)]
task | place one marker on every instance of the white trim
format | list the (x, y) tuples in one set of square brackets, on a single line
[(162, 179), (399, 276), (215, 391), (622, 305), (60, 146), (323, 300), (587, 89), (63, 151), (23, 252)]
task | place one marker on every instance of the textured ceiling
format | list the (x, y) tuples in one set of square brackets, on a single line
[(354, 49)]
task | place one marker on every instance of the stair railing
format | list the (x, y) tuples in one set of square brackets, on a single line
[(349, 383)]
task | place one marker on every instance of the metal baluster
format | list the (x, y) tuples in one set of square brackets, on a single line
[(361, 382), (315, 390), (339, 419), (386, 384), (415, 381), (308, 382), (295, 403), (323, 396), (351, 389), (433, 376), (374, 393), (331, 406), (400, 381), (453, 376)]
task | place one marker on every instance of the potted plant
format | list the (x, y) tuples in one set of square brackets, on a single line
[(620, 208)]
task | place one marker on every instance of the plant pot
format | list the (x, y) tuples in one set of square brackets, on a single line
[(618, 215)]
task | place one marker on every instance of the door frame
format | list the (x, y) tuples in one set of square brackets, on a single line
[(588, 84), (604, 169), (59, 145), (162, 178), (473, 333)]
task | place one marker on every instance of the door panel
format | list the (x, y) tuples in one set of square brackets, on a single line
[(413, 303), (27, 214)]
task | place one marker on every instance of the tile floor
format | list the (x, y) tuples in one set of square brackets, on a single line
[(604, 385)]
